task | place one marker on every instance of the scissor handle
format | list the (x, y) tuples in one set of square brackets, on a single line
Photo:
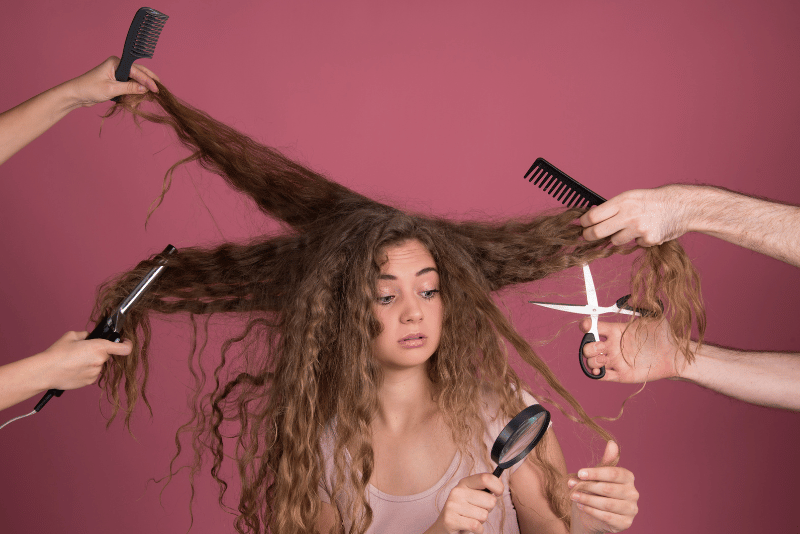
[(622, 304), (588, 337)]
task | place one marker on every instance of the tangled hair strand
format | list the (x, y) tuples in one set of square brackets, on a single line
[(302, 361)]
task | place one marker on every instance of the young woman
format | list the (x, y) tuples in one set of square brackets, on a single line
[(371, 375)]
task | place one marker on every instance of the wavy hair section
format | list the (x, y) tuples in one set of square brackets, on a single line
[(301, 364)]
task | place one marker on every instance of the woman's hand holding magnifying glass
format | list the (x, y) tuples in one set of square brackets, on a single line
[(468, 505), (603, 497)]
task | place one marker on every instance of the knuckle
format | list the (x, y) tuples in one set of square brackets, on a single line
[(456, 492)]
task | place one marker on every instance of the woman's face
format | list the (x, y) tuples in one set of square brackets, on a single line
[(408, 306)]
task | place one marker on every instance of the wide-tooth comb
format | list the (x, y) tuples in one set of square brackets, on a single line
[(141, 40), (561, 187)]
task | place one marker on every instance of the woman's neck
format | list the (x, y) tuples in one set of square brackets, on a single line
[(405, 400)]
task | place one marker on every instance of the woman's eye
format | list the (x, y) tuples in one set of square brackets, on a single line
[(386, 299), (429, 294)]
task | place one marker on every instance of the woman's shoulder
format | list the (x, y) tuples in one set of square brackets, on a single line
[(491, 399), (491, 406)]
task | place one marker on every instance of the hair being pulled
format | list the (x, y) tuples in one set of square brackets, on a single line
[(302, 361)]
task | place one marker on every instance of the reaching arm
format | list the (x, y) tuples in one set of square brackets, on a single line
[(652, 216), (766, 378), (70, 363), (24, 123)]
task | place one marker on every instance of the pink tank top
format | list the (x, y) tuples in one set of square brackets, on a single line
[(414, 514)]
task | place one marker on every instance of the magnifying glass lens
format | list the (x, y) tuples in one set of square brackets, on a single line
[(521, 439)]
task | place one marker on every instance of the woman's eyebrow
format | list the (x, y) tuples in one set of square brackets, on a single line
[(426, 270), (419, 273)]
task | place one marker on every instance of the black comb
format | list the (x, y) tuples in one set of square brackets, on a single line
[(141, 40), (561, 187)]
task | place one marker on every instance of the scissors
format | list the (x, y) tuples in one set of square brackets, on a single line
[(593, 310)]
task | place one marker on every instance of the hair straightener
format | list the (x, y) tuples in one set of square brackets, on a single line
[(141, 41), (110, 327)]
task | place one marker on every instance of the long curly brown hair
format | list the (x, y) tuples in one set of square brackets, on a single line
[(302, 359)]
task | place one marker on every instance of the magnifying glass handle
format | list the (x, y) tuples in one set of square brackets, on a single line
[(588, 337), (497, 472)]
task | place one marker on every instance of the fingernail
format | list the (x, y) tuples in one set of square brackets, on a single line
[(572, 483), (141, 88), (574, 496), (583, 474)]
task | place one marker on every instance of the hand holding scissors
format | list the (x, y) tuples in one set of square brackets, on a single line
[(593, 310)]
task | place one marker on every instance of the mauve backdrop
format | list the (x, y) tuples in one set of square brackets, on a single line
[(439, 107)]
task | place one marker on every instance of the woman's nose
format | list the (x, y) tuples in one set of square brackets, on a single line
[(412, 312)]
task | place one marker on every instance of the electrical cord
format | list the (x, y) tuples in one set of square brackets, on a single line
[(16, 418)]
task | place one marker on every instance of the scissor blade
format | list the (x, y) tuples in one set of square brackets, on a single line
[(591, 294), (584, 310), (571, 308), (625, 311)]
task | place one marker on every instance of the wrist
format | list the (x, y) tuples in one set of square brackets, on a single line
[(56, 102), (702, 205), (687, 202), (41, 372), (69, 96), (682, 369)]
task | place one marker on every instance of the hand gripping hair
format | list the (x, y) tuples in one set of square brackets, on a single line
[(303, 359)]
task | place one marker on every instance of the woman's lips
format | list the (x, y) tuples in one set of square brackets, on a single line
[(413, 341)]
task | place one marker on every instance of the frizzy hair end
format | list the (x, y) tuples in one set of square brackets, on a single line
[(300, 372)]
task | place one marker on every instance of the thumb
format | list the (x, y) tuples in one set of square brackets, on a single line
[(611, 455), (129, 88), (585, 324), (121, 349)]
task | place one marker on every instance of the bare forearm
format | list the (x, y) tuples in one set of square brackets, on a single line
[(759, 225), (765, 378), (27, 121), (21, 380)]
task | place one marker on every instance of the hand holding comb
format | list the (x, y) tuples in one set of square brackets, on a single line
[(141, 41)]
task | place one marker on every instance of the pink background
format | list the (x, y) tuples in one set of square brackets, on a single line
[(439, 107)]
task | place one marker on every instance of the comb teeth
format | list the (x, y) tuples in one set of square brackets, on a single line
[(148, 33), (561, 187)]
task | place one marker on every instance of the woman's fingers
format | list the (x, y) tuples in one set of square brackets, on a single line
[(483, 481), (618, 475), (612, 522), (613, 505), (468, 505), (607, 489)]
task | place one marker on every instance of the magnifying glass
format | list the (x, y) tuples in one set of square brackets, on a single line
[(519, 437)]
